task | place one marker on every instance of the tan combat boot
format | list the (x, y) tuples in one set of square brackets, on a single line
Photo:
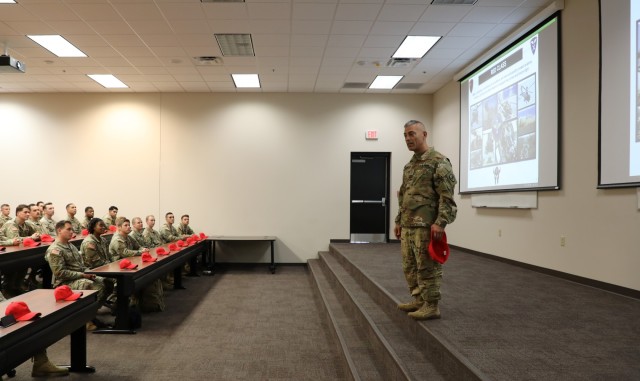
[(42, 367), (428, 311), (412, 305)]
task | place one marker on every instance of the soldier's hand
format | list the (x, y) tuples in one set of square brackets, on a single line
[(436, 232), (144, 250), (397, 230), (90, 276), (16, 241)]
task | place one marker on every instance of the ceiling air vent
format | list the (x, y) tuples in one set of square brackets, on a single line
[(408, 86), (355, 85), (207, 61), (400, 62)]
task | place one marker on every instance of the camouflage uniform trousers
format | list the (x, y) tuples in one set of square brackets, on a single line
[(423, 274), (105, 286)]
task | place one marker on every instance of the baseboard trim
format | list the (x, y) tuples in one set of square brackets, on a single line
[(629, 292)]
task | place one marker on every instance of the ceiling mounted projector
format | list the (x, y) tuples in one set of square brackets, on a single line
[(11, 65)]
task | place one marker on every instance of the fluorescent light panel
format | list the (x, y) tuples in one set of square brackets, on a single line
[(235, 44), (108, 81), (246, 80), (415, 46), (7, 2), (385, 82), (57, 45)]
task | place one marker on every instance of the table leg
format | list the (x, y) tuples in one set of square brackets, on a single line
[(123, 315), (273, 263), (177, 278), (79, 352)]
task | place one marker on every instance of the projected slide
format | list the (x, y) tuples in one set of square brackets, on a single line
[(503, 123)]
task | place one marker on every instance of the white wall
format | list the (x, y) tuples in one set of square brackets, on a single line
[(239, 164), (602, 227)]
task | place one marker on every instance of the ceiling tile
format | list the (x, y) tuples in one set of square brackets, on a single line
[(432, 28), (351, 27), (95, 12), (393, 28), (404, 12), (445, 13), (271, 11), (353, 41), (357, 12), (488, 14), (308, 11)]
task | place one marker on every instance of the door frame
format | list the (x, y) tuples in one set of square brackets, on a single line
[(387, 156)]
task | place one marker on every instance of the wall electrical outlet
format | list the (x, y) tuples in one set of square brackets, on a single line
[(563, 240)]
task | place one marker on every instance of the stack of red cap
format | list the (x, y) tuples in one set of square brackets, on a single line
[(85, 232), (28, 242), (21, 311), (195, 237), (203, 236), (181, 243), (190, 241), (161, 251), (64, 292)]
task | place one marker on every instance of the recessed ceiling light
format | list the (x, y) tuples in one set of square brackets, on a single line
[(246, 80), (385, 82), (57, 45), (415, 46), (235, 44), (108, 81)]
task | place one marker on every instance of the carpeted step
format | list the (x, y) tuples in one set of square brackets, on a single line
[(402, 358), (358, 355), (445, 357)]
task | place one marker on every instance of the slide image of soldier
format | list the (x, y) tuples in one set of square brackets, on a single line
[(490, 114), (508, 102), (488, 154)]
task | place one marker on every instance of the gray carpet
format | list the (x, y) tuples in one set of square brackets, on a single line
[(241, 324), (516, 324)]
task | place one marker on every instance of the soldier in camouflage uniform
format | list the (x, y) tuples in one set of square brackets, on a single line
[(46, 222), (110, 218), (42, 367), (17, 229), (426, 208), (121, 245), (5, 210), (68, 267), (94, 248), (136, 232), (151, 236), (34, 218), (88, 215), (184, 229), (168, 232), (71, 217)]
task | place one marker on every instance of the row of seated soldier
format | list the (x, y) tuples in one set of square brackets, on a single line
[(105, 240)]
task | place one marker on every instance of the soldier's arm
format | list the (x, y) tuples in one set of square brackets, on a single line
[(90, 254), (445, 182), (124, 252)]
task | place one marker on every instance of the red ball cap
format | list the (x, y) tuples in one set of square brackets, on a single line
[(21, 311), (64, 292), (439, 249), (126, 264), (147, 257), (161, 251)]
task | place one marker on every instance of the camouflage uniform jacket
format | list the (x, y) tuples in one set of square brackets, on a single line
[(138, 238), (75, 224), (35, 225), (4, 219), (185, 230), (4, 241), (169, 233), (48, 226), (426, 194), (85, 223), (95, 251), (122, 247), (12, 230), (152, 238), (66, 262), (108, 220)]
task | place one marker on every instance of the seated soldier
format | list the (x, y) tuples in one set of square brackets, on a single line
[(95, 252), (121, 246), (88, 215), (168, 231), (110, 218), (47, 222), (151, 236), (136, 232), (5, 210), (42, 367), (14, 281), (34, 218), (184, 229), (76, 226), (68, 266)]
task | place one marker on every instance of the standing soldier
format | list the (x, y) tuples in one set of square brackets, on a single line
[(426, 207)]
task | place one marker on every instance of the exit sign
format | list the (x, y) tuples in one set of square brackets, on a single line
[(372, 135)]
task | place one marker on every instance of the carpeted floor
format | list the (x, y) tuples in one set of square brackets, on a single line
[(241, 324)]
